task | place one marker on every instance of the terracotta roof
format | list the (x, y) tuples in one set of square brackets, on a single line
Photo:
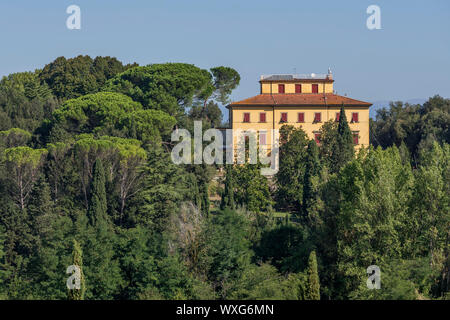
[(299, 99)]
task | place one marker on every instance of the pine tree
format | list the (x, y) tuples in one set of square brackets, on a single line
[(228, 195), (312, 169), (77, 259), (313, 288)]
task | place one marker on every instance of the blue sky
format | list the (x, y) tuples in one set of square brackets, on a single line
[(407, 59)]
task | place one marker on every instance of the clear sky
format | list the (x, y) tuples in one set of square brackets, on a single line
[(408, 58)]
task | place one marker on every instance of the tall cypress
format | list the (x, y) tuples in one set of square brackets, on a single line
[(312, 168), (97, 212), (77, 260), (101, 268), (228, 194), (345, 149), (205, 199), (313, 288)]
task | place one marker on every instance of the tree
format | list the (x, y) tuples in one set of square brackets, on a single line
[(14, 137), (74, 77), (345, 147), (77, 258), (24, 101), (97, 205), (228, 250), (313, 288), (169, 87), (23, 164), (226, 79), (227, 200), (418, 126), (103, 278), (205, 199), (165, 185), (107, 113), (375, 190), (289, 178), (285, 246), (252, 188), (312, 169)]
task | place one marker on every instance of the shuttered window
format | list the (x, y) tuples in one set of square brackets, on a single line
[(281, 88), (246, 117), (317, 137), (317, 117), (337, 116), (355, 137), (262, 138), (262, 117), (284, 117), (298, 88), (315, 88), (301, 117), (355, 117)]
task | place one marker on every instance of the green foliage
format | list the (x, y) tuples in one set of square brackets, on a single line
[(210, 113), (77, 256), (344, 148), (289, 178), (418, 126), (228, 250), (285, 247), (24, 101), (108, 113), (22, 164), (312, 170), (313, 287), (205, 200), (14, 137), (72, 78), (265, 283), (252, 188), (143, 225), (227, 200), (226, 79), (169, 87), (400, 280), (97, 214)]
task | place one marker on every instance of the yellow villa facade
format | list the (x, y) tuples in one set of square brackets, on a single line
[(306, 101)]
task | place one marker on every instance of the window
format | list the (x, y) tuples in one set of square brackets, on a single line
[(246, 117), (355, 117), (355, 137), (301, 117), (317, 137), (315, 88), (337, 116), (262, 138), (281, 88), (284, 117), (317, 117), (262, 117), (298, 88)]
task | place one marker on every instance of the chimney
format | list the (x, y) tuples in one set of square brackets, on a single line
[(330, 74)]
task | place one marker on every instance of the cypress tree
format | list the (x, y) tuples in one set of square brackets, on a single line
[(313, 288), (97, 205), (228, 195), (205, 200), (101, 268), (345, 148), (77, 260), (312, 168)]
